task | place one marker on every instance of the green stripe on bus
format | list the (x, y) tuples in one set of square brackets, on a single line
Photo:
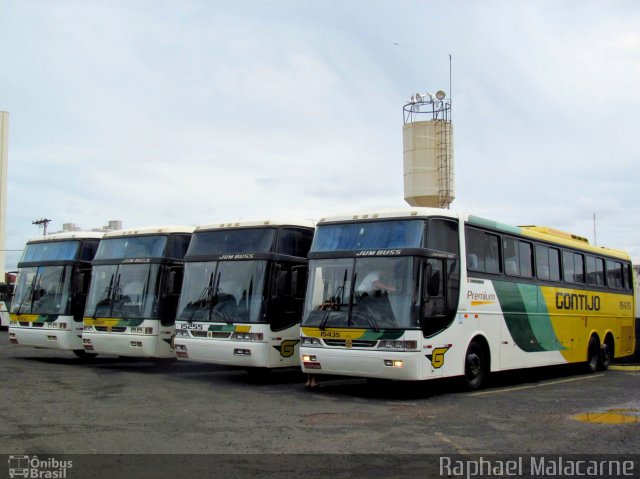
[(376, 335), (130, 323), (526, 316), (478, 221), (222, 328)]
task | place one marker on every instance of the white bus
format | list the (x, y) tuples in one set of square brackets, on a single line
[(131, 307), (243, 293), (425, 293), (51, 289)]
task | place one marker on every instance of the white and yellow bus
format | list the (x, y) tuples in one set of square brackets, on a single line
[(243, 293), (131, 307), (51, 289), (426, 293)]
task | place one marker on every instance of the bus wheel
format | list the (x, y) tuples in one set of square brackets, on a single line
[(475, 366), (81, 353), (593, 355), (606, 354)]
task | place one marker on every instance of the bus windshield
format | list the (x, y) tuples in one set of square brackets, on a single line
[(43, 290), (223, 291), (372, 293), (232, 241), (132, 247), (50, 251), (369, 235), (124, 291)]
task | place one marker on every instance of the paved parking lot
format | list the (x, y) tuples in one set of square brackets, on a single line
[(54, 403)]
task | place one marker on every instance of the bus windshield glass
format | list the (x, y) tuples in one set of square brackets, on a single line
[(371, 293), (132, 247), (369, 235), (43, 290), (232, 241), (223, 291), (50, 251), (124, 291)]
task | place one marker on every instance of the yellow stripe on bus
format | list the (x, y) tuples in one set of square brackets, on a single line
[(101, 321), (26, 318), (344, 333), (576, 314)]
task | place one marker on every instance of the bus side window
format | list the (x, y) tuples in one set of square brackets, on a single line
[(511, 258), (433, 297), (284, 309)]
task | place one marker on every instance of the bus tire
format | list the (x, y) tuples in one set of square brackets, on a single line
[(606, 354), (81, 353), (593, 355), (475, 366)]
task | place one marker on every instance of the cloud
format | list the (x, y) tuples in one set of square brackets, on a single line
[(192, 113)]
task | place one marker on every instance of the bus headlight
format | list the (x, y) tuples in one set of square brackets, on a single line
[(183, 333), (311, 342), (394, 363), (247, 336), (141, 330), (398, 345)]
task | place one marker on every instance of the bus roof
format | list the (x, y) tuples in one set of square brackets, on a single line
[(149, 231), (388, 213), (551, 235), (257, 223), (543, 233), (67, 235)]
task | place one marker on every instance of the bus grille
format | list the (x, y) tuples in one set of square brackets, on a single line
[(220, 335), (114, 329), (27, 324), (356, 343), (210, 334)]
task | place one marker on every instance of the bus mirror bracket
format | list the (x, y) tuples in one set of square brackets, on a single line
[(299, 281), (171, 282), (428, 269)]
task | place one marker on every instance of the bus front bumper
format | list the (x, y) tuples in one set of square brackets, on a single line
[(232, 353), (398, 365), (45, 338), (127, 345)]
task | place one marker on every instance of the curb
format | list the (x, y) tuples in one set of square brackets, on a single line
[(621, 367)]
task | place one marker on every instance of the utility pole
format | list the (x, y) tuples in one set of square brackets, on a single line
[(4, 159), (42, 223)]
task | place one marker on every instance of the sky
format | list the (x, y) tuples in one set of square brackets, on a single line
[(201, 111)]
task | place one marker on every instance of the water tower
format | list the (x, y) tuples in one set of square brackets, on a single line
[(427, 138)]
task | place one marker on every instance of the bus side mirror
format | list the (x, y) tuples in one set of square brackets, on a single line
[(82, 282), (428, 270), (281, 283), (173, 286), (299, 276)]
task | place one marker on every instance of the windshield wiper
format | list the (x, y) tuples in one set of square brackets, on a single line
[(28, 294), (205, 299), (368, 316), (224, 315), (334, 304), (362, 307), (106, 296)]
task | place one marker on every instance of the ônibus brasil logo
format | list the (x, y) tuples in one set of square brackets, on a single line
[(33, 467)]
